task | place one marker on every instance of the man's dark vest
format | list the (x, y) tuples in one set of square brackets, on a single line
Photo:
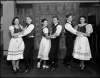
[(54, 28), (68, 33), (31, 33)]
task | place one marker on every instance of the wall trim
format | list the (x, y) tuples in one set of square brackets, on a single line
[(77, 1)]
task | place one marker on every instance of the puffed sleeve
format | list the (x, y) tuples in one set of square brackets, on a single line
[(11, 28), (45, 30), (89, 28)]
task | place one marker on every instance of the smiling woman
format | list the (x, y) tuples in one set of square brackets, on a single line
[(16, 45)]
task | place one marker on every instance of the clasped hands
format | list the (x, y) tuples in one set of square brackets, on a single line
[(20, 33), (48, 37), (79, 33)]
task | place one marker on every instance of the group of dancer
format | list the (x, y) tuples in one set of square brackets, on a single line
[(77, 47)]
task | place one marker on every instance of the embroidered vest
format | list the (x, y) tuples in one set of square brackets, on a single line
[(17, 30), (54, 28), (82, 29)]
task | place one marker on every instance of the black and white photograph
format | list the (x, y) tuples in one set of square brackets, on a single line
[(49, 38)]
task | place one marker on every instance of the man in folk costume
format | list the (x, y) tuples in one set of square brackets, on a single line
[(53, 55), (29, 44), (70, 33)]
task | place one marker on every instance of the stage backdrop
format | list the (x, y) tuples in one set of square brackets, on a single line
[(46, 10)]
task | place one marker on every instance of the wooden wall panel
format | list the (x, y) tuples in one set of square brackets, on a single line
[(47, 10), (88, 11), (23, 11)]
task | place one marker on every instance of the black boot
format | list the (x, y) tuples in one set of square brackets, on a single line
[(14, 71), (66, 61), (53, 66), (26, 68), (67, 64), (31, 64)]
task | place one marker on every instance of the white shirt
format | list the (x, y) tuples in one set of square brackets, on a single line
[(27, 30), (70, 28), (58, 31)]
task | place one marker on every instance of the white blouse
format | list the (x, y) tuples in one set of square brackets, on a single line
[(89, 28), (45, 30)]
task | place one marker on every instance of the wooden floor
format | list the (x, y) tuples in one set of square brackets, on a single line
[(92, 70)]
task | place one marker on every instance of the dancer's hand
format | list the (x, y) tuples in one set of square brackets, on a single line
[(79, 34), (24, 28), (15, 37), (22, 32), (48, 37)]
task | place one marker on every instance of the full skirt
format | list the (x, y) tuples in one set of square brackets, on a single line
[(44, 49), (82, 48), (15, 49)]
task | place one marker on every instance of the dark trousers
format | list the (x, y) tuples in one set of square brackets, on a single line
[(69, 47), (53, 54), (28, 52)]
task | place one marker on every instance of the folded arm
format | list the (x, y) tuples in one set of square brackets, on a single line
[(27, 30)]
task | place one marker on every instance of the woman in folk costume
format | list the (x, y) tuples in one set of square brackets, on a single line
[(45, 45), (16, 45), (81, 47)]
